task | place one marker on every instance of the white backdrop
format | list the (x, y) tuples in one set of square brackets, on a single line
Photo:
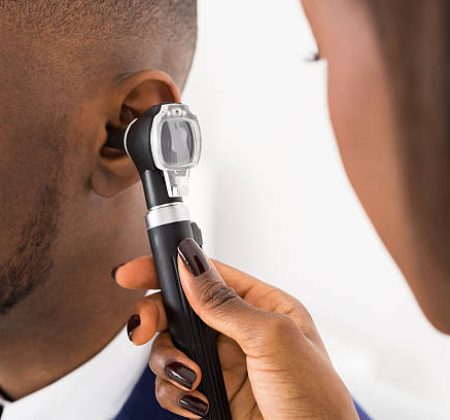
[(273, 200)]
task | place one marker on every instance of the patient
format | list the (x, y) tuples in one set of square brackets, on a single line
[(389, 99), (69, 70)]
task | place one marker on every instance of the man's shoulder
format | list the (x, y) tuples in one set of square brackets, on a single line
[(142, 404)]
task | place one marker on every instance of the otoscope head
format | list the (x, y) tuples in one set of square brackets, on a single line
[(167, 139)]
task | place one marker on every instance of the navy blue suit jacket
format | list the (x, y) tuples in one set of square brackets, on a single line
[(142, 404)]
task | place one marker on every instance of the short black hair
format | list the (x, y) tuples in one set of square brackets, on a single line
[(120, 16), (173, 23)]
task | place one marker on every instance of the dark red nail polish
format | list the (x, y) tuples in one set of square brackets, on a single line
[(193, 257), (181, 374), (194, 405), (114, 271), (133, 323)]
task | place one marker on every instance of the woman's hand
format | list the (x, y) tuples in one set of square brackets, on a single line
[(274, 363)]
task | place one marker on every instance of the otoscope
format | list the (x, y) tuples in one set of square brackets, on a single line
[(165, 144)]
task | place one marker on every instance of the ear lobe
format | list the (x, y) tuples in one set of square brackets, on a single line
[(114, 170), (114, 173)]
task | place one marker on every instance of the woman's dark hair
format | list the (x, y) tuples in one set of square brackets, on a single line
[(415, 39)]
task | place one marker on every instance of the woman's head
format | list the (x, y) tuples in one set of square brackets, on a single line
[(388, 64)]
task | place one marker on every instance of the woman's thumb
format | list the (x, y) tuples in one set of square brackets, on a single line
[(217, 304)]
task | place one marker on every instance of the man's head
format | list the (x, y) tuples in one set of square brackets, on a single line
[(70, 70)]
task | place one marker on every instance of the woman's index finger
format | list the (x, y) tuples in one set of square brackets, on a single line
[(139, 273)]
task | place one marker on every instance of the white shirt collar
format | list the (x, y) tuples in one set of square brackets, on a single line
[(96, 390)]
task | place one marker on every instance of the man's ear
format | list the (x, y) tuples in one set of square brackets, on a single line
[(114, 171)]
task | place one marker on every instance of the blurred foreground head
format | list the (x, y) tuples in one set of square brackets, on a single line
[(389, 98)]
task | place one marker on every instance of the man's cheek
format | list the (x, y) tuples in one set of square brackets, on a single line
[(24, 171), (17, 199)]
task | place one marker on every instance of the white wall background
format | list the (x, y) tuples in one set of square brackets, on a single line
[(273, 200)]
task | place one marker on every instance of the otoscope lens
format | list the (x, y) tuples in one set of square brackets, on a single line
[(177, 143)]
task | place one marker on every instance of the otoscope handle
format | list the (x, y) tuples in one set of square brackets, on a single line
[(189, 333)]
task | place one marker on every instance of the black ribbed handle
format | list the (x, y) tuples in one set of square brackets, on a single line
[(189, 333)]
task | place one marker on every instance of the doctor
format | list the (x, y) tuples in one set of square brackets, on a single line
[(389, 101)]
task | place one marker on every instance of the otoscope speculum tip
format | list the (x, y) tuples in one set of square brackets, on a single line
[(177, 183)]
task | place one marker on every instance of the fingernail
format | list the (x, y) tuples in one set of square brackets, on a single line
[(181, 374), (194, 405), (114, 271), (193, 257), (133, 323)]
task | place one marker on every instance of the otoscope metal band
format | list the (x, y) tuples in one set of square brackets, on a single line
[(166, 214)]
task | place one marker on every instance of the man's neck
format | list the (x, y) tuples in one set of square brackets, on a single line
[(58, 328)]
